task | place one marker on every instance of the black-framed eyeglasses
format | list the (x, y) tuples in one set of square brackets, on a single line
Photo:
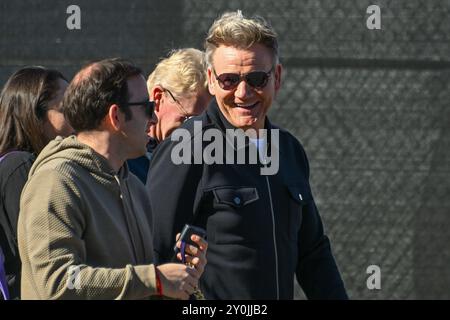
[(149, 107), (255, 79), (186, 115)]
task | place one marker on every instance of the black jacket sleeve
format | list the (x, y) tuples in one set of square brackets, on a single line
[(317, 272), (173, 195), (14, 171)]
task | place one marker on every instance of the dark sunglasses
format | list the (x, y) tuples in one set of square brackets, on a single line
[(255, 79), (148, 105)]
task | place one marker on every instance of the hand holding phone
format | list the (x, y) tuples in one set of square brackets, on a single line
[(187, 232), (185, 239)]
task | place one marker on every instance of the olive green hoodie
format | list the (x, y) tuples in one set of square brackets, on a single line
[(83, 230)]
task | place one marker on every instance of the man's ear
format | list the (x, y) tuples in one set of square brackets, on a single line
[(115, 117), (278, 71), (156, 94), (211, 84)]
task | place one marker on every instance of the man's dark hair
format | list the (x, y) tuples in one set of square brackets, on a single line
[(94, 89), (24, 103)]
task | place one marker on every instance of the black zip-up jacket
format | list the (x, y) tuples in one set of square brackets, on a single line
[(261, 230)]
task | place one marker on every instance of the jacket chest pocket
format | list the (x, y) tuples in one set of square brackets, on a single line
[(298, 198), (235, 217), (236, 197)]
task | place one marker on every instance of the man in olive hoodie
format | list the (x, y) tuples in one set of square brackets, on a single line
[(84, 229)]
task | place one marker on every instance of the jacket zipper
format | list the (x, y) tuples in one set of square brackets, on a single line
[(126, 219), (274, 238)]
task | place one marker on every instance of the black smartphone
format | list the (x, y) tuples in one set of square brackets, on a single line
[(187, 232)]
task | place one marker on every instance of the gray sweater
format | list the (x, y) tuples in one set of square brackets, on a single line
[(83, 230)]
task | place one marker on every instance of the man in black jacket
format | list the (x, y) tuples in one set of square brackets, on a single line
[(262, 224)]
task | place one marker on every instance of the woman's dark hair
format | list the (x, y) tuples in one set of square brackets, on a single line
[(23, 108)]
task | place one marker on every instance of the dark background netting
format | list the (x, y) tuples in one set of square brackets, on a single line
[(370, 106)]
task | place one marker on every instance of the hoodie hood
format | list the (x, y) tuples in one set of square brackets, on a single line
[(66, 153)]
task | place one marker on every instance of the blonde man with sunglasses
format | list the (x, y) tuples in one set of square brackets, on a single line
[(179, 89), (263, 230)]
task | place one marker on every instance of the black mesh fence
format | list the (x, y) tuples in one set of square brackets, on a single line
[(371, 108)]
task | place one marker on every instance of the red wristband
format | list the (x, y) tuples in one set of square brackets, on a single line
[(158, 283)]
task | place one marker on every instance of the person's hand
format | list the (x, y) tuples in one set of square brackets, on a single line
[(177, 280), (193, 255)]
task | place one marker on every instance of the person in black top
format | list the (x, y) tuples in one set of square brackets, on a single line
[(262, 224), (30, 117)]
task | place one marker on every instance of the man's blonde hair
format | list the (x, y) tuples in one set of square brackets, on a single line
[(233, 29), (183, 72)]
